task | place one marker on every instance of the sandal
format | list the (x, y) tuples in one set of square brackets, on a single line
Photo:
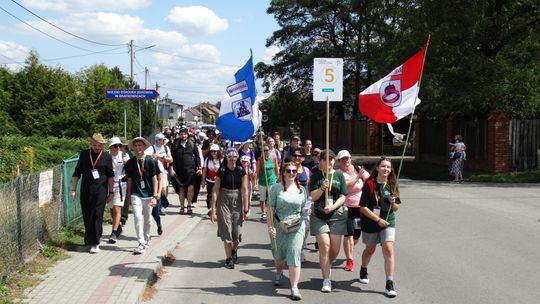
[(189, 211), (182, 211)]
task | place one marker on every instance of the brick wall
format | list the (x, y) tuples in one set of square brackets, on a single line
[(498, 142)]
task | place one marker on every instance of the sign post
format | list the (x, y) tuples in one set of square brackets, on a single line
[(134, 94), (327, 86)]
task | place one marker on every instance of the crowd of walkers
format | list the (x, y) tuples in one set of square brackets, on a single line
[(300, 193)]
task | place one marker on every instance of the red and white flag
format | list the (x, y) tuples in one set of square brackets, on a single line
[(394, 96)]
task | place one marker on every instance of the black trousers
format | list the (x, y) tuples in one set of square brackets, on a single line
[(93, 206)]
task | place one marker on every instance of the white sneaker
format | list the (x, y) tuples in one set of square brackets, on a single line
[(140, 249), (94, 249), (326, 285)]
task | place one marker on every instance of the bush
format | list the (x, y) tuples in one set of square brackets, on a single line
[(24, 155)]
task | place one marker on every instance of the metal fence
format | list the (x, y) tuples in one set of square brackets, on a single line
[(25, 224), (525, 143)]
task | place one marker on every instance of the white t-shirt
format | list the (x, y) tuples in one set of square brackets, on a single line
[(161, 151), (118, 165)]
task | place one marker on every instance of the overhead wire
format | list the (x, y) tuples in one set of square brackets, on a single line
[(61, 29)]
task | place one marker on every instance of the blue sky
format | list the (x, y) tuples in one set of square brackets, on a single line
[(198, 44)]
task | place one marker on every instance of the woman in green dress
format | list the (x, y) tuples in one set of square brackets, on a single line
[(285, 203)]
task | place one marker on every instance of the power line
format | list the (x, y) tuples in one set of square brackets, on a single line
[(69, 33), (59, 40)]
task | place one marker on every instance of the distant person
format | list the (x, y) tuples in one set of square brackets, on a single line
[(328, 219), (315, 156), (185, 167), (119, 159), (308, 158), (97, 188), (125, 209), (273, 151), (286, 201), (293, 145), (143, 191), (161, 153), (268, 172), (458, 157), (210, 168), (355, 178), (279, 144), (230, 205), (379, 203)]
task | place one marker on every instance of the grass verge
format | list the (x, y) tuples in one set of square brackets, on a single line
[(13, 286), (29, 275)]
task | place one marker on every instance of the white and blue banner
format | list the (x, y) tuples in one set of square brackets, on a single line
[(239, 113)]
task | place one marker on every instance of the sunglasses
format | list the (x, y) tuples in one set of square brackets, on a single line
[(315, 154), (116, 146), (232, 156), (266, 150), (291, 171), (298, 155)]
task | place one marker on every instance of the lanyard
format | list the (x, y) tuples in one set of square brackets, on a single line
[(97, 160), (141, 170), (377, 197)]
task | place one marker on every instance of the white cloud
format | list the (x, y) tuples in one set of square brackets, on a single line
[(270, 52), (11, 53), (64, 6), (196, 20)]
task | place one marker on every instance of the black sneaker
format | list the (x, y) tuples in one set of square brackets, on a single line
[(161, 212), (112, 238), (119, 231), (159, 230), (123, 220), (363, 275), (229, 263), (235, 256), (389, 290)]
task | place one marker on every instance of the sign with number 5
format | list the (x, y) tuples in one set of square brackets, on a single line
[(328, 79)]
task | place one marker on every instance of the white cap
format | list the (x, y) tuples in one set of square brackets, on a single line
[(114, 141), (245, 158), (214, 147), (236, 143), (159, 136), (343, 153)]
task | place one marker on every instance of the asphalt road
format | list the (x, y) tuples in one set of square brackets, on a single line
[(468, 243)]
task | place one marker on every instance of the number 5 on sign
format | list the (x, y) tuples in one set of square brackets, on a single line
[(328, 79)]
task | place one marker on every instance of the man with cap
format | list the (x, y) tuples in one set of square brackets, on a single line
[(143, 190), (161, 153), (119, 159), (295, 143), (185, 167), (95, 167)]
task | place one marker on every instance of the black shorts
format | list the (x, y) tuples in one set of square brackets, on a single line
[(353, 214), (183, 180)]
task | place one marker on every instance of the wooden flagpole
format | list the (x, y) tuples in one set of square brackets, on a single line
[(410, 122)]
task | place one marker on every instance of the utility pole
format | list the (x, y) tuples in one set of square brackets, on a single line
[(131, 79)]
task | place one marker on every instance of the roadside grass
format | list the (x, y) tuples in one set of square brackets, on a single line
[(429, 171), (29, 275), (13, 286)]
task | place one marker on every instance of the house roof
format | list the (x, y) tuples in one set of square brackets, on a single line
[(194, 111)]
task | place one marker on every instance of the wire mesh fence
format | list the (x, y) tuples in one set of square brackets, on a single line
[(32, 212)]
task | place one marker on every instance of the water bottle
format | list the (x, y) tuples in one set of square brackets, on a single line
[(307, 206)]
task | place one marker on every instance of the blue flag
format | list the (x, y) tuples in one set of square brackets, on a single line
[(239, 113)]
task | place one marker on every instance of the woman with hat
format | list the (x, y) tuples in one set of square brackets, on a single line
[(119, 159), (96, 168), (210, 167), (230, 205), (328, 220)]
